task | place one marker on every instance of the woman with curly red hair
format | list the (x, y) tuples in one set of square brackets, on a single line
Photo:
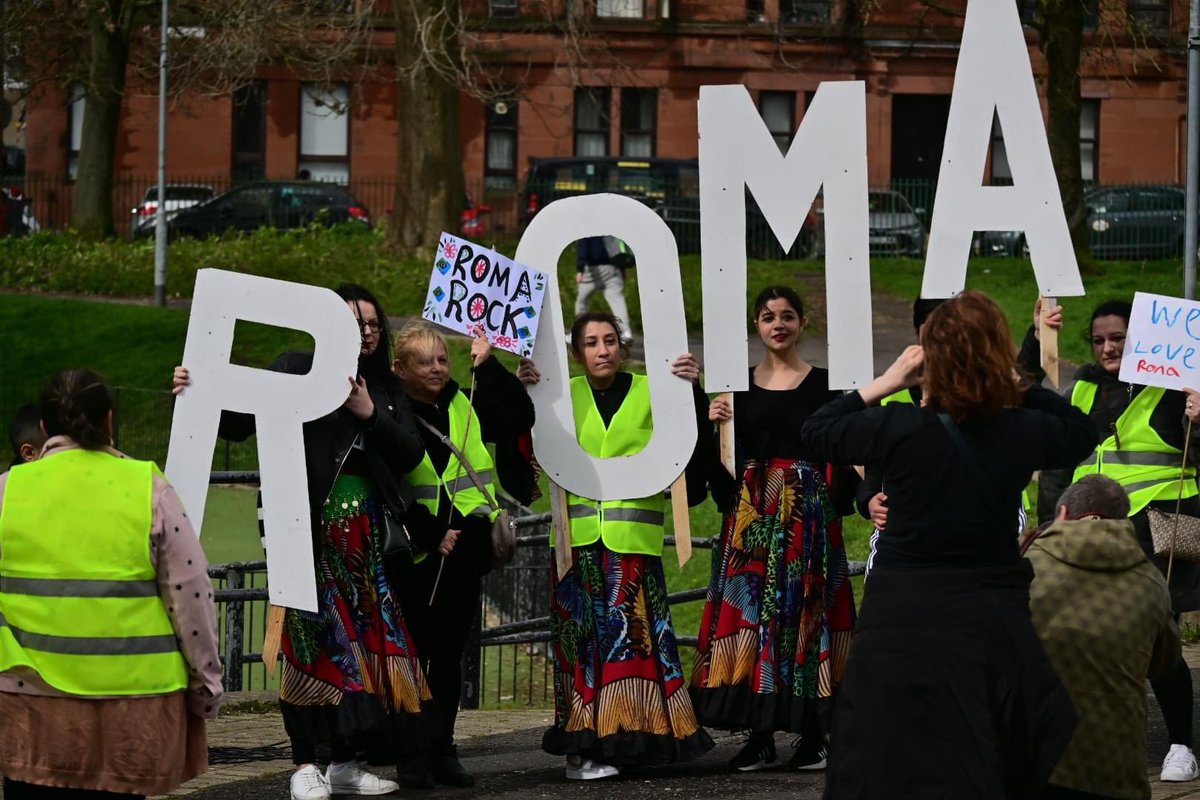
[(948, 692)]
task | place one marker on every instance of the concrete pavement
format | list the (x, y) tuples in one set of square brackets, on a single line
[(251, 761)]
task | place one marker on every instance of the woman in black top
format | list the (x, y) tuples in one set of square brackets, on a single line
[(777, 622), (948, 692)]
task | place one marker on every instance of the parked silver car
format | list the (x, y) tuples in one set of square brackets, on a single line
[(894, 226)]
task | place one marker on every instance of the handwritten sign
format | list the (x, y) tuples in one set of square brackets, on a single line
[(475, 289), (1162, 345)]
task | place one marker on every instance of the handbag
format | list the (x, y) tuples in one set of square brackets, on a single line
[(504, 532), (395, 535), (1162, 531)]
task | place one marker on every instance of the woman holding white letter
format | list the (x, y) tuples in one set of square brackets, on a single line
[(620, 698)]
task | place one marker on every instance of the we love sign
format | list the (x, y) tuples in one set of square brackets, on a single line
[(737, 152)]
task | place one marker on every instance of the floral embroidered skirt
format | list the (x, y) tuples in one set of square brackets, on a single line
[(619, 691), (350, 670), (776, 627)]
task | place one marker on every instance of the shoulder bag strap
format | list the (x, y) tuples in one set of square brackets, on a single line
[(471, 473)]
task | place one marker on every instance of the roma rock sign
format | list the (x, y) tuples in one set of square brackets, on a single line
[(736, 152)]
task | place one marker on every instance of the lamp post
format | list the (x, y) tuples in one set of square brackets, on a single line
[(160, 218)]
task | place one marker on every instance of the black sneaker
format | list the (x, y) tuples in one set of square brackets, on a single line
[(808, 756), (758, 753), (413, 773), (448, 770)]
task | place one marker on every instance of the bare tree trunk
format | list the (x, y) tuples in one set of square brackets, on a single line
[(1062, 46), (429, 175), (108, 28)]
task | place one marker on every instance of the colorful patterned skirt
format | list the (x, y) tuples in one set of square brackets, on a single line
[(350, 671), (776, 627), (619, 691)]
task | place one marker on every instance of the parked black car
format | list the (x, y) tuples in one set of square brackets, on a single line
[(670, 186), (1134, 221), (267, 204)]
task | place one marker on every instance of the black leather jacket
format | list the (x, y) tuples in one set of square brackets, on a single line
[(391, 443)]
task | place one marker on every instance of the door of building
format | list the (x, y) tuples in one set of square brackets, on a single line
[(918, 131)]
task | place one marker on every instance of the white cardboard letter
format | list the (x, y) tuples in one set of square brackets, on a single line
[(664, 331), (994, 75), (830, 150), (280, 404)]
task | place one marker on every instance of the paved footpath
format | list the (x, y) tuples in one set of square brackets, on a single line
[(502, 749)]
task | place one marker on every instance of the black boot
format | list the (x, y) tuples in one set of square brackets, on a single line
[(412, 772), (449, 770)]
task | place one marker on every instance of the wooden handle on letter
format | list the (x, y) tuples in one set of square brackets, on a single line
[(683, 522), (562, 528), (1049, 339)]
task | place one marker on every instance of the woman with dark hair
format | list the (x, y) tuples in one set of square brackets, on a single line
[(619, 694), (948, 692), (1141, 431), (108, 635), (451, 524), (350, 675), (777, 622)]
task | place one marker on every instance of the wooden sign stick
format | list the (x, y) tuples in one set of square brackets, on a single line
[(273, 638), (726, 446), (1049, 339), (561, 521), (683, 521)]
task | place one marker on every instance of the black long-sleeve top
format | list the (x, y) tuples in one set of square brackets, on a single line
[(505, 413), (938, 513)]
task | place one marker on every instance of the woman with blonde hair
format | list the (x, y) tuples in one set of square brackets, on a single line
[(452, 520), (948, 691)]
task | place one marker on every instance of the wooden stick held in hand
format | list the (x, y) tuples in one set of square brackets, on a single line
[(682, 520), (727, 449), (1049, 339)]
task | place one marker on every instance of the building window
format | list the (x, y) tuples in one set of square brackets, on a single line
[(1151, 15), (500, 157), (1089, 133), (804, 12), (756, 10), (639, 120), (75, 93), (778, 110), (249, 132), (591, 121), (629, 9), (504, 8), (325, 133)]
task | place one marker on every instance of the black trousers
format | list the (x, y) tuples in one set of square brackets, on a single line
[(16, 790), (1174, 695), (441, 630)]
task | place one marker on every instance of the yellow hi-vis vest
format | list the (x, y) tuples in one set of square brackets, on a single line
[(625, 526), (426, 483), (79, 599), (1144, 464)]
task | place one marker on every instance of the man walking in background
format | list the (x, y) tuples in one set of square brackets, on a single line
[(600, 263)]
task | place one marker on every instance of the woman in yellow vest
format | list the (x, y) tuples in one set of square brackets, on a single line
[(108, 635), (779, 615), (1141, 431), (620, 699), (452, 540)]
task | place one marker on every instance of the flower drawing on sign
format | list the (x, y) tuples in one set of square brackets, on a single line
[(449, 249), (478, 307)]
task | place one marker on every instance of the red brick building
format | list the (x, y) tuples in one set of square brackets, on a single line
[(631, 89)]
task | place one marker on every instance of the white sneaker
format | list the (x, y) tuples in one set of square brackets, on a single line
[(309, 784), (584, 769), (1179, 765), (350, 778)]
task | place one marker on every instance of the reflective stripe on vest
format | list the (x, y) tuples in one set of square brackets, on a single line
[(625, 526), (427, 484), (1146, 466), (79, 600)]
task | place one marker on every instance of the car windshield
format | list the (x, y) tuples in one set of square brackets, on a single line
[(888, 203)]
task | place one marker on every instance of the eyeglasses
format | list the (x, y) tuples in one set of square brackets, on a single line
[(370, 325)]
